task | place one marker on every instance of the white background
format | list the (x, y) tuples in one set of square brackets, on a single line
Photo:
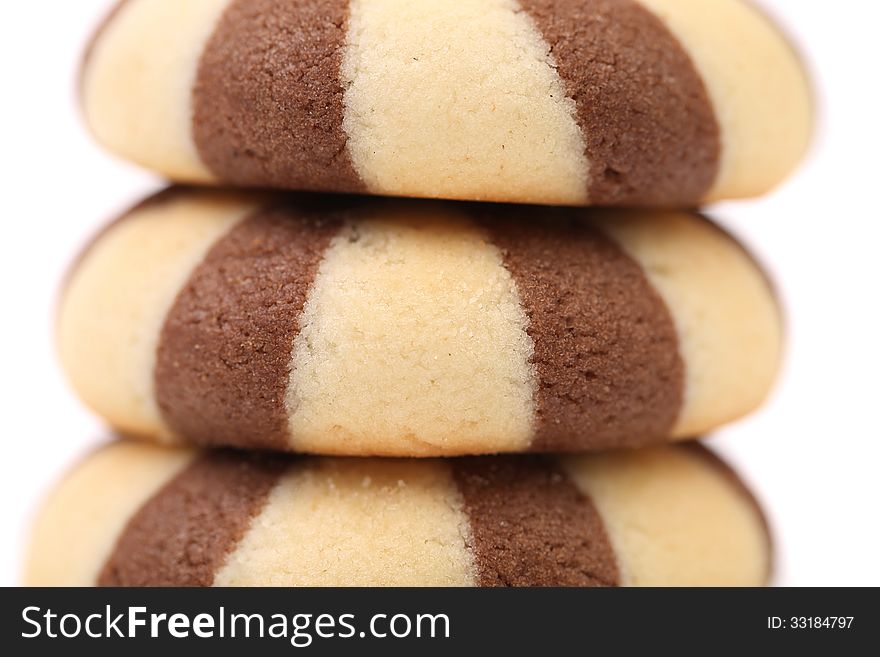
[(812, 454)]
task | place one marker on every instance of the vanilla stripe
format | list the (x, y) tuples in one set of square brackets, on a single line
[(413, 314), (357, 523), (458, 100), (138, 80), (757, 85), (706, 279), (665, 507)]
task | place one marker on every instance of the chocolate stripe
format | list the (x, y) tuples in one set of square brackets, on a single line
[(268, 103), (531, 526), (606, 349), (182, 535), (223, 360), (650, 130)]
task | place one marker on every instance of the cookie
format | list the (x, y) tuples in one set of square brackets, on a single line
[(569, 102), (141, 515), (361, 326)]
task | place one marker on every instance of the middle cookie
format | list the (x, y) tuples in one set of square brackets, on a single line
[(355, 326)]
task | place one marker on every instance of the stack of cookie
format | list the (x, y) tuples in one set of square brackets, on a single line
[(234, 328)]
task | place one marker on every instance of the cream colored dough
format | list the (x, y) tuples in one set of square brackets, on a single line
[(727, 318), (458, 100), (137, 85), (116, 301), (413, 340), (83, 518), (357, 523), (675, 520), (757, 85)]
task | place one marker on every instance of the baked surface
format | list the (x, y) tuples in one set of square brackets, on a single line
[(569, 102), (134, 514), (358, 326)]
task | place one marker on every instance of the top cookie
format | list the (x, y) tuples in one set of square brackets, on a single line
[(570, 102)]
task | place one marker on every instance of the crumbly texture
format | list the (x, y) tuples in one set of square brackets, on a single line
[(223, 357), (531, 526), (413, 342), (182, 535), (369, 327), (268, 100), (650, 129), (606, 349), (661, 102), (357, 523), (149, 515), (480, 113)]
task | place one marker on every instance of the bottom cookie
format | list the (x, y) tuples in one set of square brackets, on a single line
[(140, 515)]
